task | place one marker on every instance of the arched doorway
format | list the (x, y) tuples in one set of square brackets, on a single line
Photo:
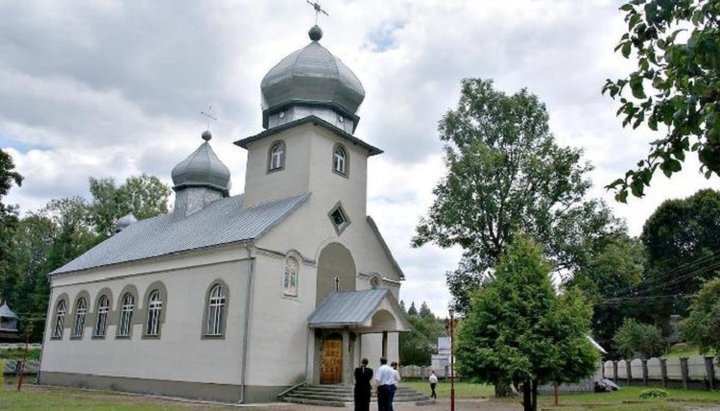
[(335, 271)]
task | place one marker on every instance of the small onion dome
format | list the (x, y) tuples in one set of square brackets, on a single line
[(125, 222), (202, 169), (312, 75)]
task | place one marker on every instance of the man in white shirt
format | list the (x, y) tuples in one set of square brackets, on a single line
[(433, 382), (396, 376), (385, 377)]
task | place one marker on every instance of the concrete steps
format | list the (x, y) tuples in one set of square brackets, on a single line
[(340, 395)]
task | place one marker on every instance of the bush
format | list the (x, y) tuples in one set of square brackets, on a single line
[(654, 393)]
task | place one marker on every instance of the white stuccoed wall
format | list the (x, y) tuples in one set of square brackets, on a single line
[(180, 354)]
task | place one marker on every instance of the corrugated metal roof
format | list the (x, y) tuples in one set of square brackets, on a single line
[(222, 222), (347, 307), (6, 312)]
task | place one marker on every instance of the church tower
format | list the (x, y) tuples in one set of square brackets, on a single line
[(310, 101)]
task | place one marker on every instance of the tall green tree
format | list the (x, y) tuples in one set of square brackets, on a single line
[(702, 326), (418, 345), (519, 330), (145, 196), (682, 239), (674, 88), (8, 225), (616, 267), (505, 172)]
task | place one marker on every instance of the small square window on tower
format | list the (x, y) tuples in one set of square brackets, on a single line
[(339, 218)]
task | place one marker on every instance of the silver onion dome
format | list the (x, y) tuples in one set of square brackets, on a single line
[(124, 222), (312, 76), (202, 168)]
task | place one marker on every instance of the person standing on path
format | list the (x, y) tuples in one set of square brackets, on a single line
[(433, 383), (396, 377), (363, 375), (385, 378)]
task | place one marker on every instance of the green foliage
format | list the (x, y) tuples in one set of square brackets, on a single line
[(682, 242), (18, 353), (64, 229), (675, 87), (608, 274), (506, 173), (8, 176), (518, 329), (418, 345), (702, 327), (652, 393), (145, 196), (634, 337), (8, 224)]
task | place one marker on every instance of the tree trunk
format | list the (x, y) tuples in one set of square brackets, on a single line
[(527, 395), (534, 394), (502, 389)]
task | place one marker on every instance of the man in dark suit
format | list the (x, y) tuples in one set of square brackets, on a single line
[(363, 375)]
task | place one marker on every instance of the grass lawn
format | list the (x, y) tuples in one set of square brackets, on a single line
[(626, 399), (66, 399), (462, 389)]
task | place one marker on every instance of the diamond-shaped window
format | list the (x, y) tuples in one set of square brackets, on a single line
[(339, 218)]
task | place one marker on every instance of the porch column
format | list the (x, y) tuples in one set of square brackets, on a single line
[(347, 353)]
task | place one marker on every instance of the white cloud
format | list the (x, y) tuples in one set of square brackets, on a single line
[(113, 88)]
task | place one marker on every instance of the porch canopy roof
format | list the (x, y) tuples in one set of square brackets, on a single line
[(365, 311)]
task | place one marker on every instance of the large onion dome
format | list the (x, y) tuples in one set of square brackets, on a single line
[(311, 76), (202, 169)]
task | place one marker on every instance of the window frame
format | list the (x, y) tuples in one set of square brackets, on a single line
[(279, 144), (120, 332), (102, 314), (58, 323), (212, 311), (344, 161), (288, 289), (80, 314), (339, 229), (153, 313)]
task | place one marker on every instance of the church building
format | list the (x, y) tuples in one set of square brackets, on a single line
[(238, 298)]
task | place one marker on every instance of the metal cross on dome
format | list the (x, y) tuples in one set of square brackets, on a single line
[(318, 9), (208, 116)]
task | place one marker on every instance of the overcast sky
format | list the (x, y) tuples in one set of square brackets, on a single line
[(108, 88)]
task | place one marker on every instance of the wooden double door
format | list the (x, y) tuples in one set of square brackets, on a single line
[(331, 361)]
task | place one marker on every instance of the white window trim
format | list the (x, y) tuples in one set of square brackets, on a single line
[(80, 314), (103, 312), (154, 312), (126, 314), (217, 300)]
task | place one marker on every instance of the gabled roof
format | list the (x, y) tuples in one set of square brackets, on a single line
[(354, 308), (6, 312), (225, 221), (385, 247), (310, 119)]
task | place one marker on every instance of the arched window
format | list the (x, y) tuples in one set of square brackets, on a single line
[(154, 305), (59, 319), (126, 313), (277, 156), (339, 160), (80, 313), (290, 279), (215, 324), (103, 309)]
